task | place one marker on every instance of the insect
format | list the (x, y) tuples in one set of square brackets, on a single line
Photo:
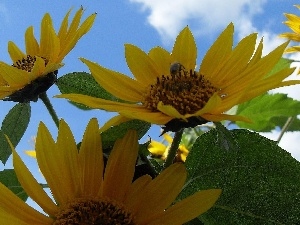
[(175, 125), (176, 68), (32, 91)]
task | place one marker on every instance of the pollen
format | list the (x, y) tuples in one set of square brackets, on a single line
[(27, 63), (93, 212), (186, 91)]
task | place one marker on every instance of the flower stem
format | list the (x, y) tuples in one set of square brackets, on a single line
[(43, 96), (285, 127), (173, 149)]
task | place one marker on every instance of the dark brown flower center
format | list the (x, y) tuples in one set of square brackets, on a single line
[(93, 212), (186, 91), (25, 63)]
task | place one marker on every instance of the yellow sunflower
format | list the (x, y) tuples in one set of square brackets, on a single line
[(293, 23), (161, 150), (85, 193), (167, 87), (35, 71)]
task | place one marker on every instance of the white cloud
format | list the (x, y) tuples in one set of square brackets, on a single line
[(4, 13), (288, 142), (169, 16)]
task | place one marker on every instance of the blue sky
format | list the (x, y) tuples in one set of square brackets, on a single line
[(145, 23)]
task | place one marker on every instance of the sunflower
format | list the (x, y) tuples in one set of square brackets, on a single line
[(85, 193), (293, 23), (160, 150), (35, 71), (167, 87)]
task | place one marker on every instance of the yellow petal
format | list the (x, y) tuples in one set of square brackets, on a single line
[(220, 117), (14, 76), (169, 110), (62, 33), (31, 153), (114, 121), (30, 185), (236, 62), (141, 65), (14, 52), (32, 46), (91, 159), (185, 50), (129, 90), (162, 59), (217, 53), (145, 115), (99, 103), (188, 209), (14, 211), (120, 167), (160, 192), (72, 38), (58, 162), (157, 148), (136, 190), (49, 43)]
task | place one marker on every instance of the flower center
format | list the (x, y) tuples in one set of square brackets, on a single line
[(93, 212), (186, 91), (25, 63)]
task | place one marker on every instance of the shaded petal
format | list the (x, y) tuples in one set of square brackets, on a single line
[(14, 211), (120, 167), (141, 65), (114, 121), (136, 191), (14, 52), (185, 50), (217, 53), (58, 162), (160, 193), (162, 59), (91, 159), (32, 46), (30, 185), (127, 88), (188, 208)]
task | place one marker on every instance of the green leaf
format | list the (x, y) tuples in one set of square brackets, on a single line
[(283, 63), (83, 83), (259, 180), (268, 111), (112, 134), (9, 178), (14, 126)]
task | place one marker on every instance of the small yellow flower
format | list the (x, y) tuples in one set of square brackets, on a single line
[(87, 193), (293, 23), (35, 71), (167, 87), (160, 150)]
